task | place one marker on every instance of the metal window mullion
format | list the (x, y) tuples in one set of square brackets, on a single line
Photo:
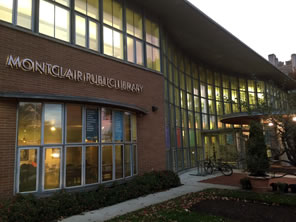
[(14, 12), (87, 20)]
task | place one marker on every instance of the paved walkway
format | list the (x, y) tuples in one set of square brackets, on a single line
[(191, 184)]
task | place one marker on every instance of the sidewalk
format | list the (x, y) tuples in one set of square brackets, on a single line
[(191, 184)]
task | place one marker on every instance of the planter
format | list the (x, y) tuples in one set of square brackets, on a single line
[(293, 188), (283, 187), (274, 187), (259, 184)]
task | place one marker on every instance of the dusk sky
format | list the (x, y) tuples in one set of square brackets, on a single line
[(267, 26)]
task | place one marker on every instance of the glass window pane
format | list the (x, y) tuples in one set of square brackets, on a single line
[(106, 116), (196, 104), (127, 126), (155, 34), (24, 13), (130, 50), (91, 134), (93, 8), (139, 52), (127, 160), (52, 168), (64, 2), (129, 21), (93, 36), (118, 45), (138, 23), (73, 166), (251, 85), (91, 164), (74, 123), (29, 124), (28, 170), (80, 6), (46, 18), (107, 163), (108, 41), (118, 128), (107, 12), (52, 123), (135, 159), (205, 124), (148, 27), (149, 56), (118, 161), (117, 15), (6, 10), (62, 24), (203, 105), (156, 59), (80, 28)]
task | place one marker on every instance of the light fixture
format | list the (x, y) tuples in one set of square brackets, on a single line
[(270, 124), (55, 155), (294, 118), (53, 128)]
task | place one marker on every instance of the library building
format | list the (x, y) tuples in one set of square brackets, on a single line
[(97, 91)]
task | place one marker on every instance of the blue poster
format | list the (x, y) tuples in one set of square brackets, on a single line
[(118, 129)]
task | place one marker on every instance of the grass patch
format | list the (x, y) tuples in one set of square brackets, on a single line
[(179, 209)]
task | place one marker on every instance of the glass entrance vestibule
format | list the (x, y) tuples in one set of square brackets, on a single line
[(72, 145)]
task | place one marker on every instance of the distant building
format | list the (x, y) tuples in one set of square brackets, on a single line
[(288, 67)]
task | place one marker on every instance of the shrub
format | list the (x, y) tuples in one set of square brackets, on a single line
[(283, 187), (246, 183), (63, 204), (257, 160)]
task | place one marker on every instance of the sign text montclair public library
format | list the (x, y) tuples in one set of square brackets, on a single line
[(57, 71)]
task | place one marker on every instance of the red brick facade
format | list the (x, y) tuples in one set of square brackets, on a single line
[(151, 133)]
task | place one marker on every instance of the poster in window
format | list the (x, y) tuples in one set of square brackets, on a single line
[(91, 125), (118, 131)]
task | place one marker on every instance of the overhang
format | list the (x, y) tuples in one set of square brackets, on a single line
[(206, 41), (64, 98)]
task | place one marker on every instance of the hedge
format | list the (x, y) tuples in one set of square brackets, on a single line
[(64, 204)]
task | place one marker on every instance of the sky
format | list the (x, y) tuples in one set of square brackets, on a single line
[(266, 26)]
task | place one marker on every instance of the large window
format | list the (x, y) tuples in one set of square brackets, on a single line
[(86, 23), (54, 20), (152, 46), (92, 150)]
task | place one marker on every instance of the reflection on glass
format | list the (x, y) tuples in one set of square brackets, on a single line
[(24, 13), (117, 15), (93, 36), (156, 59), (52, 123), (127, 160), (28, 170), (46, 18), (107, 163), (135, 159), (205, 124), (80, 29), (106, 121), (73, 166), (107, 12), (91, 164), (127, 126), (149, 56), (29, 124), (52, 165), (6, 10), (134, 127), (74, 123), (118, 161)]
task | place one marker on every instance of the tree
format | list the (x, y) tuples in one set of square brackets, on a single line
[(257, 160)]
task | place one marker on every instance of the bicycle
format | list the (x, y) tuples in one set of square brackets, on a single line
[(212, 166)]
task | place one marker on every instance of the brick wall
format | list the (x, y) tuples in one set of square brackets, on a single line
[(7, 145), (151, 134)]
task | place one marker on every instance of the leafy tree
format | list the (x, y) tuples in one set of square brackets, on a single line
[(257, 160)]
